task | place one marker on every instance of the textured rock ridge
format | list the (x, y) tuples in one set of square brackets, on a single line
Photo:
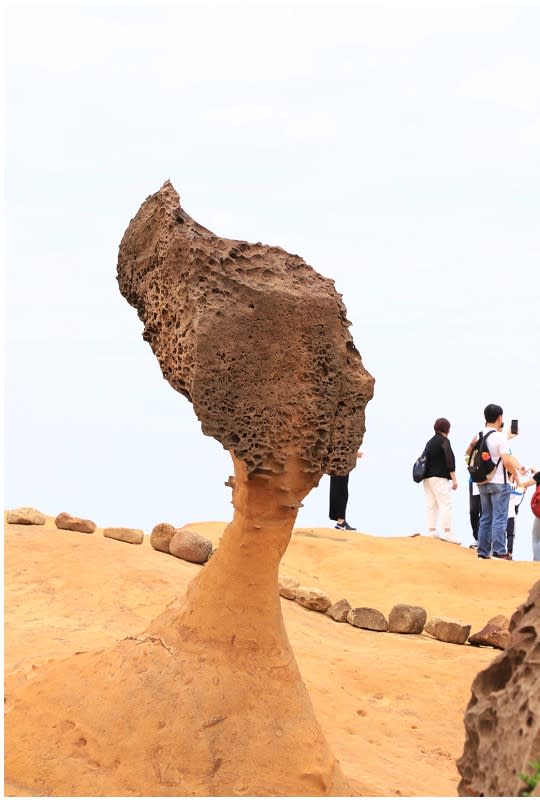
[(502, 720), (255, 338)]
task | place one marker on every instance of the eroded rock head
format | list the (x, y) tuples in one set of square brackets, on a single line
[(255, 338)]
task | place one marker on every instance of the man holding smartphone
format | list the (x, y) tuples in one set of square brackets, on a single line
[(495, 492)]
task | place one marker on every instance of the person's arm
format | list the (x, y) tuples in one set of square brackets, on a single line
[(470, 448), (512, 466), (450, 462)]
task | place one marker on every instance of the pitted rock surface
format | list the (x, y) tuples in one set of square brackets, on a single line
[(255, 338), (502, 720)]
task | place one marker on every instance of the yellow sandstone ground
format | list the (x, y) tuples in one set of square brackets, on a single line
[(391, 706)]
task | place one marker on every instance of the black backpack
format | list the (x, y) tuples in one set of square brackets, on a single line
[(481, 465)]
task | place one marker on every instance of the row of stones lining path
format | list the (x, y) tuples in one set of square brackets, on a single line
[(191, 546)]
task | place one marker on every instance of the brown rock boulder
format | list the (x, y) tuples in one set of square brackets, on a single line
[(369, 618), (287, 588), (495, 633), (190, 546), (161, 535), (406, 619), (129, 535), (340, 610), (313, 599), (66, 522), (25, 515), (502, 720), (447, 630)]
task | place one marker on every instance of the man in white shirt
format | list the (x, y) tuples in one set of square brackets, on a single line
[(495, 493)]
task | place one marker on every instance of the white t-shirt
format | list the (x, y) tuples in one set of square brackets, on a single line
[(498, 445)]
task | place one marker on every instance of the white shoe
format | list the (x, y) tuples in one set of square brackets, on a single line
[(449, 537), (435, 534)]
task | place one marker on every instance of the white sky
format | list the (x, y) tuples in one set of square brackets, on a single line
[(393, 145)]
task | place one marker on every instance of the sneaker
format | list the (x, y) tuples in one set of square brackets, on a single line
[(344, 526), (435, 534), (449, 537), (473, 546), (479, 556), (504, 556)]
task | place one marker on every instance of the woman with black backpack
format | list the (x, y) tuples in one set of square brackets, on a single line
[(439, 481)]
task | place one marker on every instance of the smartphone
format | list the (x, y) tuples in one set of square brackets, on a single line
[(514, 426)]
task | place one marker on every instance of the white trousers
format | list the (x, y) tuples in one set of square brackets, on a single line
[(438, 503)]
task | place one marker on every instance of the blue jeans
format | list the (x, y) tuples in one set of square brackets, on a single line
[(494, 499)]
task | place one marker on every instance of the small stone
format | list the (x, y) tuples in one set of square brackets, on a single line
[(161, 536), (313, 599), (448, 630), (66, 522), (340, 610), (26, 516), (369, 618), (495, 633), (407, 619), (129, 535), (288, 587), (190, 546)]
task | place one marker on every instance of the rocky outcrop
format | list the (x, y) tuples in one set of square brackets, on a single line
[(369, 618), (25, 515), (190, 546), (129, 535), (66, 522), (495, 633), (406, 619), (502, 720)]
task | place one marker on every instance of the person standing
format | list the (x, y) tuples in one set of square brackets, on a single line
[(495, 492), (474, 497), (535, 508), (440, 479), (339, 497)]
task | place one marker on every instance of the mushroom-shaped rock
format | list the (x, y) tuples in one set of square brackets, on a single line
[(161, 535), (190, 546), (25, 515), (406, 619), (260, 344), (66, 522), (502, 720)]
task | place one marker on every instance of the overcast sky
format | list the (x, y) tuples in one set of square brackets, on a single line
[(393, 145)]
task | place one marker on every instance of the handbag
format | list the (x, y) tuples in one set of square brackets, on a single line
[(419, 470)]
